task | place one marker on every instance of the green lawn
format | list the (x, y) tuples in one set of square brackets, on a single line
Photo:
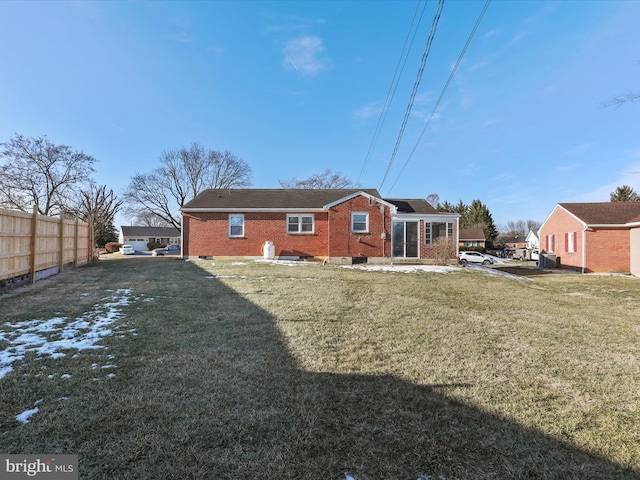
[(238, 370)]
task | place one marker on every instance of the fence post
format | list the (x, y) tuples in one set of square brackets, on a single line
[(90, 240), (34, 242), (61, 243), (75, 245)]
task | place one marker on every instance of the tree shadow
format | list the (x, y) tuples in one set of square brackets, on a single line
[(322, 425), (235, 404)]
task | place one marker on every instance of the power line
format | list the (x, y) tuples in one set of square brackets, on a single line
[(414, 91), (394, 83), (444, 90)]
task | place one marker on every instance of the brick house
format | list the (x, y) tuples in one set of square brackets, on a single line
[(336, 225), (139, 237), (472, 237), (594, 237)]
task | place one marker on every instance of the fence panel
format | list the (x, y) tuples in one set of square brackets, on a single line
[(39, 246)]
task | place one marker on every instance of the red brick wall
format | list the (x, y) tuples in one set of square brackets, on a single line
[(207, 234), (344, 243), (559, 223), (607, 250)]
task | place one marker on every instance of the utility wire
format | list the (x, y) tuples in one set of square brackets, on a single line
[(444, 90), (414, 91), (394, 83)]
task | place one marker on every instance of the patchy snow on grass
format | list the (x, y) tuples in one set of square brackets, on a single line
[(405, 268), (53, 336), (27, 414)]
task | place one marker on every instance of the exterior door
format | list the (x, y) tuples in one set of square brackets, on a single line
[(404, 239)]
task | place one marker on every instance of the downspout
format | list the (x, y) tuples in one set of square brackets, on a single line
[(328, 236), (584, 248), (383, 236)]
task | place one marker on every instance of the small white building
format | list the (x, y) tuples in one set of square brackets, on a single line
[(532, 239)]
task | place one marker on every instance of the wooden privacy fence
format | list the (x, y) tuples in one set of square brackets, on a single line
[(40, 246)]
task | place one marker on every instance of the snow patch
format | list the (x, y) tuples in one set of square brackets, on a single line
[(50, 337)]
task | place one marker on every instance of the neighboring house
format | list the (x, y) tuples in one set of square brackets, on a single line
[(532, 240), (139, 237), (472, 237), (594, 237), (336, 225)]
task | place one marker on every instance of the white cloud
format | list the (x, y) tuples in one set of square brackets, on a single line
[(305, 55), (368, 111), (182, 37)]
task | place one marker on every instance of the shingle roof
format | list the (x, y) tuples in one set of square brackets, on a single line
[(412, 205), (605, 213), (159, 232), (288, 199), (471, 234), (248, 198)]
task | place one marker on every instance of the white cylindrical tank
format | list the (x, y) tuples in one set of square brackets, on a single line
[(269, 250)]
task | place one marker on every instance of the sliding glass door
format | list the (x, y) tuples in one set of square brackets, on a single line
[(404, 239)]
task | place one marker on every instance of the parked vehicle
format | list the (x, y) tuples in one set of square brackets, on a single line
[(169, 250), (474, 257), (127, 250), (535, 255)]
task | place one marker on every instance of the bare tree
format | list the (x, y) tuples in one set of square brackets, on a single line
[(148, 219), (324, 180), (433, 199), (35, 171), (533, 225), (618, 101), (183, 174), (520, 227), (100, 206)]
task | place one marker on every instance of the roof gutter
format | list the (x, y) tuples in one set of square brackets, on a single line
[(236, 209)]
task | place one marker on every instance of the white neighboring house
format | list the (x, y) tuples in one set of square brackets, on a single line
[(533, 241), (139, 237)]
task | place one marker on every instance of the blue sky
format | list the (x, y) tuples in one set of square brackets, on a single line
[(296, 87)]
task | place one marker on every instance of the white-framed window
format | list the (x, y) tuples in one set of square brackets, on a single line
[(360, 222), (236, 225), (435, 230), (550, 243), (570, 240), (300, 223)]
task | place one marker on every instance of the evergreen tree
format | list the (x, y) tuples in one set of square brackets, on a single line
[(476, 215), (625, 194)]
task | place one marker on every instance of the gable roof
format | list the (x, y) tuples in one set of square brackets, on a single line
[(471, 234), (604, 213), (274, 198), (159, 232)]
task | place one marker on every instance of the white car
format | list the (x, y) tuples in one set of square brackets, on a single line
[(127, 250), (535, 255), (474, 257)]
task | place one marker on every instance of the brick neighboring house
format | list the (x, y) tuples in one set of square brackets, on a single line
[(337, 225), (472, 237), (594, 237), (139, 237)]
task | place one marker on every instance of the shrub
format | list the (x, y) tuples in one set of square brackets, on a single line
[(153, 245), (444, 249), (112, 247)]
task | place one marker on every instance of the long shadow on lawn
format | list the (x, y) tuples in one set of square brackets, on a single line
[(249, 411), (321, 425)]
